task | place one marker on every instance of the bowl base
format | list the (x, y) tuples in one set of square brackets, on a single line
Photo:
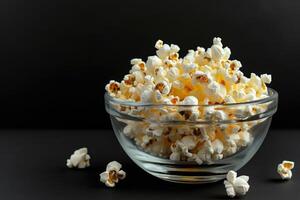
[(189, 179)]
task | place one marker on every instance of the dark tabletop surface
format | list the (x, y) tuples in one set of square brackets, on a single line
[(33, 167)]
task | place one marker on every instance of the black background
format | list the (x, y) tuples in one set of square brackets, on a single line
[(57, 55)]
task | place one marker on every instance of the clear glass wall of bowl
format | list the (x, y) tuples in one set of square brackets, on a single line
[(131, 123)]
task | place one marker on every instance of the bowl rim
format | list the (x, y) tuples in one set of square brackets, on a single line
[(272, 95)]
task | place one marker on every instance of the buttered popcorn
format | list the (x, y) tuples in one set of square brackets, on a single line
[(205, 77), (284, 169), (112, 174)]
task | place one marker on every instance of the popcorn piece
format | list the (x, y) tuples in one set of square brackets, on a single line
[(113, 174), (190, 100), (236, 185), (218, 147), (160, 73), (147, 96), (139, 77), (217, 51), (129, 79), (132, 128), (189, 111), (227, 53), (182, 147), (173, 73), (159, 44), (229, 99), (154, 130), (235, 65), (284, 169), (189, 68), (189, 58), (189, 142), (266, 78), (163, 87), (164, 51), (146, 139), (245, 138), (79, 159), (152, 62), (135, 61), (113, 87), (174, 48), (205, 153), (201, 78), (255, 81)]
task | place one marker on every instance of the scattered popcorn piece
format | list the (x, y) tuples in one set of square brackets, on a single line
[(284, 169), (79, 159), (113, 174), (236, 186)]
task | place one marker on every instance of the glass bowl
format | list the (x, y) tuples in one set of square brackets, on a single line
[(152, 136)]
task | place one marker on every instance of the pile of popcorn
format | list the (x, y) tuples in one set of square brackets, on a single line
[(202, 77)]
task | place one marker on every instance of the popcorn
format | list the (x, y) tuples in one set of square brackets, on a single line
[(226, 54), (173, 73), (189, 68), (159, 44), (164, 51), (236, 185), (163, 87), (129, 79), (255, 81), (217, 147), (113, 174), (190, 100), (113, 87), (245, 138), (152, 62), (131, 129), (182, 148), (266, 78), (189, 142), (284, 169), (189, 112), (235, 65), (154, 130), (217, 52), (147, 96), (79, 159), (135, 61), (205, 153), (201, 77), (174, 48), (138, 77)]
